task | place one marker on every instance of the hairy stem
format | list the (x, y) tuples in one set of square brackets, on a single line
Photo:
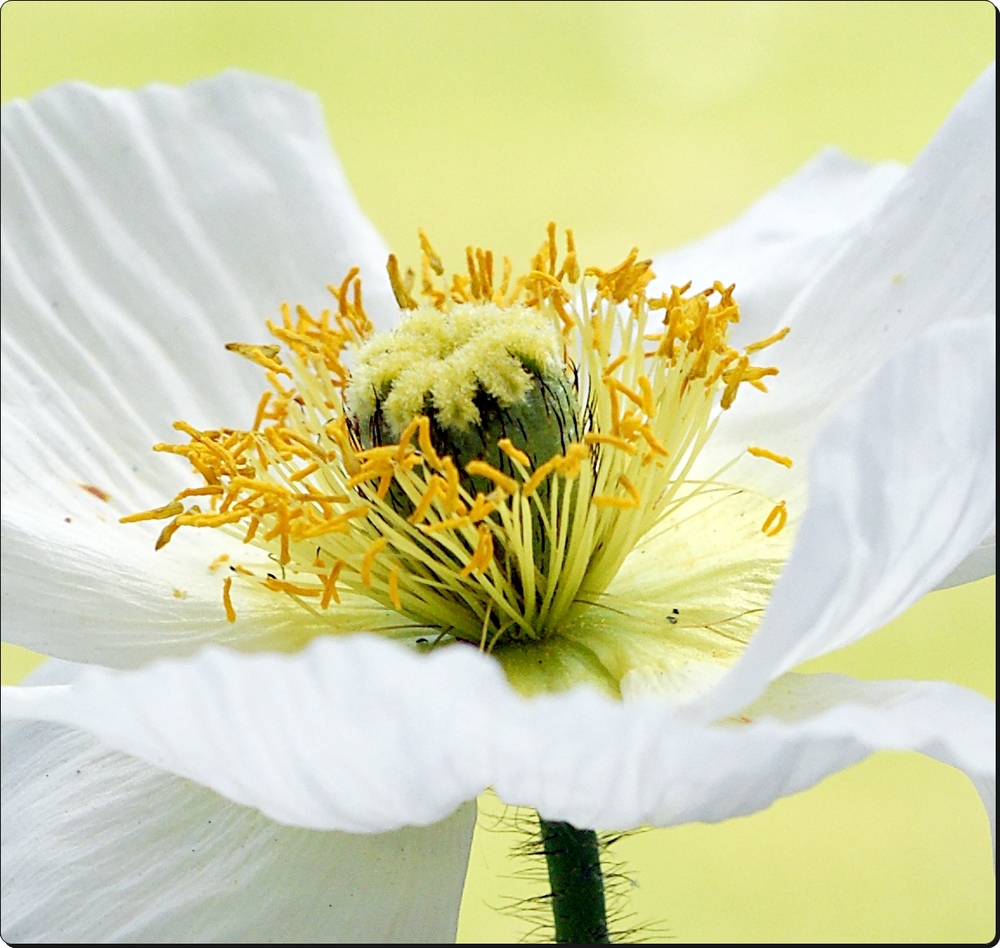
[(574, 862)]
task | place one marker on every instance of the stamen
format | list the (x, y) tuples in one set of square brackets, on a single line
[(160, 513), (426, 447), (482, 469), (539, 475), (514, 453), (776, 520), (781, 459), (366, 566), (484, 553), (394, 587), (166, 533), (330, 585), (435, 488), (227, 600), (399, 290), (305, 472), (594, 437), (265, 356), (769, 341)]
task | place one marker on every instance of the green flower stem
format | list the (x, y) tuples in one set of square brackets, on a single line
[(574, 862)]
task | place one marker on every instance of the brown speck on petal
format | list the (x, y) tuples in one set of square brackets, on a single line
[(97, 492)]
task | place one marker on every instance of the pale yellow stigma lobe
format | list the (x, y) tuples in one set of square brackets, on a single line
[(441, 361)]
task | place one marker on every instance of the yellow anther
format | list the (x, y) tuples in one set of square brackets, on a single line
[(632, 502), (654, 443), (473, 274), (611, 366), (483, 556), (568, 323), (451, 499), (301, 439), (160, 513), (383, 485), (632, 489), (252, 530), (770, 455), (629, 393), (776, 520), (733, 377), (514, 453), (217, 562), (648, 405), (482, 469), (340, 293), (394, 587), (206, 491), (370, 471), (435, 488), (338, 524), (433, 260), (259, 416), (166, 533), (452, 523), (305, 472), (482, 507), (210, 519), (330, 585), (399, 290), (227, 599), (383, 452), (272, 377), (265, 356), (539, 475), (769, 341), (593, 437), (426, 446), (569, 464), (292, 589), (366, 566), (405, 438)]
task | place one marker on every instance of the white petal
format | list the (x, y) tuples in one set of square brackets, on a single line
[(926, 256), (141, 232), (783, 240), (965, 722), (981, 562), (358, 733), (101, 847), (902, 487)]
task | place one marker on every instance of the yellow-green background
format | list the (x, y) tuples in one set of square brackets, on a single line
[(648, 124)]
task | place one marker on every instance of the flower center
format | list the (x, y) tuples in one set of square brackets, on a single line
[(487, 466)]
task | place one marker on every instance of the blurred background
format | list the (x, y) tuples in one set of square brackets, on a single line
[(644, 124)]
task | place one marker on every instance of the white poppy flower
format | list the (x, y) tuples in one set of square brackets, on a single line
[(264, 790)]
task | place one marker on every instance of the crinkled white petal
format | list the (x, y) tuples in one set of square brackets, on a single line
[(141, 232), (902, 487), (101, 847), (773, 250), (926, 256), (363, 735)]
